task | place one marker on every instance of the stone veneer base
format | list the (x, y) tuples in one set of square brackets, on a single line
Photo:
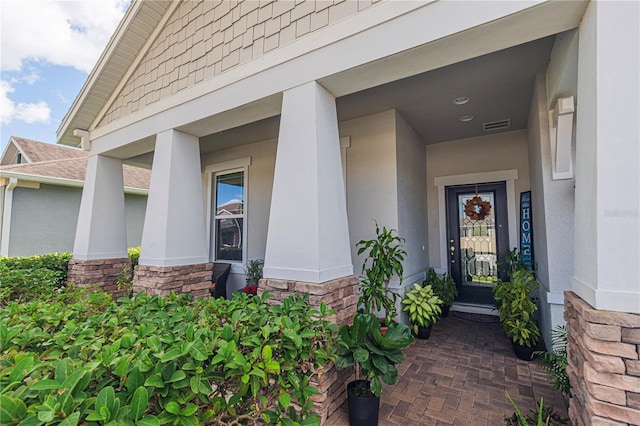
[(603, 352), (162, 280), (341, 295), (102, 273)]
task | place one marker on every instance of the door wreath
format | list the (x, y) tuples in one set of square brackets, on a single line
[(476, 208)]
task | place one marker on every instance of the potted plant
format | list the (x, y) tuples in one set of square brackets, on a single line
[(444, 287), (384, 260), (253, 273), (423, 307), (516, 307), (375, 357)]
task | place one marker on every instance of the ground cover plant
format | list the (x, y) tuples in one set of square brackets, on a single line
[(81, 358)]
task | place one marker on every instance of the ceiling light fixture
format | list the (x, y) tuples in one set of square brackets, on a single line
[(461, 100), (466, 118)]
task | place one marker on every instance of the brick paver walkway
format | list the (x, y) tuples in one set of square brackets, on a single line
[(459, 376)]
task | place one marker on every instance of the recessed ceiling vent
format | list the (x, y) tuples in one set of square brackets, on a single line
[(497, 125)]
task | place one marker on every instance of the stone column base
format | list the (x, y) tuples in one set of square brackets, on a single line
[(341, 295), (102, 273), (603, 351), (162, 280)]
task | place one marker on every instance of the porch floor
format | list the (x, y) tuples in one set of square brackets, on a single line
[(460, 376)]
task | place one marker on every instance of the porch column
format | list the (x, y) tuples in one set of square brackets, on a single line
[(173, 254), (308, 238), (100, 247), (603, 311)]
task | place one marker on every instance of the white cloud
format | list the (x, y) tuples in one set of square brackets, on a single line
[(67, 33), (38, 112)]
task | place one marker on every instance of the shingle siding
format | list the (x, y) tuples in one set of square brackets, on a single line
[(203, 39)]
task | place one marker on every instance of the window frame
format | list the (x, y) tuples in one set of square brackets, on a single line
[(212, 173)]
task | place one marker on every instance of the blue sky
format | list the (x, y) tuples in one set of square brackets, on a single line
[(47, 49)]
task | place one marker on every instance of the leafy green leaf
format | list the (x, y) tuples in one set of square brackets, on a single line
[(139, 402)]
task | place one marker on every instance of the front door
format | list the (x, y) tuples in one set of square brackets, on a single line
[(477, 237)]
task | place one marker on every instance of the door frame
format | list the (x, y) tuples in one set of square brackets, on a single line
[(507, 176), (473, 294)]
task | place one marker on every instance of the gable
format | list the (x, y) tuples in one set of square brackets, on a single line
[(201, 40), (32, 151)]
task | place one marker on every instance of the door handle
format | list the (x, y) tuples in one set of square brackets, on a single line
[(452, 250)]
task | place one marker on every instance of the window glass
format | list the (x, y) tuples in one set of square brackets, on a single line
[(229, 216), (230, 194)]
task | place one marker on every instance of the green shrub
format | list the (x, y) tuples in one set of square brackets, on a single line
[(555, 362), (125, 278), (24, 278), (150, 360)]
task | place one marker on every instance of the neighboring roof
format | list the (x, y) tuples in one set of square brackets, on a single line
[(35, 151), (73, 169), (129, 39), (57, 164)]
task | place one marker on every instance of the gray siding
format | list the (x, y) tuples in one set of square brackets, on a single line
[(44, 220)]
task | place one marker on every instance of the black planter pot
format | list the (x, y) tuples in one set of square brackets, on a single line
[(445, 311), (423, 332), (524, 353), (363, 409)]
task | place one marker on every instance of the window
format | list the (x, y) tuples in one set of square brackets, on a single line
[(229, 215)]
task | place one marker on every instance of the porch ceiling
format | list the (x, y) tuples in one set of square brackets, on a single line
[(499, 85)]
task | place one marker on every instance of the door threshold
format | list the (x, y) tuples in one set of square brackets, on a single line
[(473, 308)]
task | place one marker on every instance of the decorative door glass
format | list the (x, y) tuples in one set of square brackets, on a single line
[(478, 248)]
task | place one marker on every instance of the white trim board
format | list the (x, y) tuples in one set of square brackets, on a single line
[(508, 176)]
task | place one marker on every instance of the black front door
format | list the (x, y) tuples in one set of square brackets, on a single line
[(477, 237)]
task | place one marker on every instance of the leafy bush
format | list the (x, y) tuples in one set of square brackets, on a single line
[(444, 287), (25, 277), (555, 362), (516, 307), (125, 278), (149, 360)]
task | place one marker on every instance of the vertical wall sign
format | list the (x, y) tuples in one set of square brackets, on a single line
[(526, 236)]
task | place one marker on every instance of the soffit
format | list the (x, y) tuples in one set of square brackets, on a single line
[(125, 45)]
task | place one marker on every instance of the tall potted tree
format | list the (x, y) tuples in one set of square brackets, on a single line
[(384, 257), (375, 357)]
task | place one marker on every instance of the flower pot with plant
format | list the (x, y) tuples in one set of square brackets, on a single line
[(384, 257), (375, 357), (253, 274), (444, 287), (516, 307), (423, 307)]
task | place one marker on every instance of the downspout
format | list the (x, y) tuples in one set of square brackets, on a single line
[(6, 216)]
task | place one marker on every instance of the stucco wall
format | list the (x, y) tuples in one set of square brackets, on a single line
[(44, 220), (258, 198), (372, 185), (372, 190), (203, 39), (135, 207), (503, 151), (412, 197), (553, 207)]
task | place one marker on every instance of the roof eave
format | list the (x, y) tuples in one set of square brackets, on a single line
[(76, 183), (97, 70)]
